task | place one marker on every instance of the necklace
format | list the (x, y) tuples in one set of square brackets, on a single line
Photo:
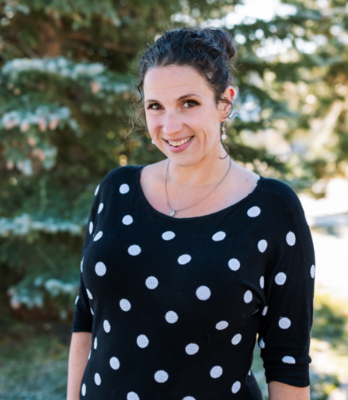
[(165, 188)]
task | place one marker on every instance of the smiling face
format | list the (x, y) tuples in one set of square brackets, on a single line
[(182, 116)]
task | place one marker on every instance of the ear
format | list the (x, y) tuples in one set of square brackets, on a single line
[(228, 94)]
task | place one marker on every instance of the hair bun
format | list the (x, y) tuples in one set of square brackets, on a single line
[(223, 41)]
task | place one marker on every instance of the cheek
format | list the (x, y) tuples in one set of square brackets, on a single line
[(209, 124), (208, 117), (152, 125)]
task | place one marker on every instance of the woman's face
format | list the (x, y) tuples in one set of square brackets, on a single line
[(181, 113)]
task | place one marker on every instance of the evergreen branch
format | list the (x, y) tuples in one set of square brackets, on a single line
[(25, 224), (84, 37)]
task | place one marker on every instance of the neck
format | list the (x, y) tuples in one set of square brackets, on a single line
[(206, 172)]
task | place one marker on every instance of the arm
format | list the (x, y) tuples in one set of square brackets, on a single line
[(81, 339), (284, 333), (81, 343), (281, 391)]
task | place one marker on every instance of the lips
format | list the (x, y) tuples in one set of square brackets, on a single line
[(178, 143)]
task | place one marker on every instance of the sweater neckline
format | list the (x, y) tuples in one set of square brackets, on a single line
[(227, 209)]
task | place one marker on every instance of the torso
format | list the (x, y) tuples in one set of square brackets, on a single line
[(174, 304), (238, 184)]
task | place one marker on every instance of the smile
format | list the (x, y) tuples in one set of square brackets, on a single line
[(178, 143)]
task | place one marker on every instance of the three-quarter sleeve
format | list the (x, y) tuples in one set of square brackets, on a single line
[(286, 321), (83, 317)]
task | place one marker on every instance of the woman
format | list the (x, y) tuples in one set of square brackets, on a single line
[(187, 260)]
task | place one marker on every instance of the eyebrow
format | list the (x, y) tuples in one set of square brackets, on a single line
[(185, 96)]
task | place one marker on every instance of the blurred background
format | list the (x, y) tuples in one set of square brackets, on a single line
[(66, 84)]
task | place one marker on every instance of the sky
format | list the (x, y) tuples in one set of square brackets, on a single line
[(258, 9)]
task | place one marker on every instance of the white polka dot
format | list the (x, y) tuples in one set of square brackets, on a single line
[(290, 238), (81, 265), (203, 293), (254, 212), (127, 220), (100, 268), (191, 349), (100, 208), (161, 376), (236, 387), (262, 344), (280, 278), (106, 326), (142, 341), (234, 264), (313, 271), (262, 245), (236, 339), (151, 282), (216, 372), (97, 379), (184, 259), (171, 317), (262, 282), (132, 396), (219, 236), (188, 398), (77, 299), (83, 390), (284, 323), (248, 296), (89, 355), (89, 294), (124, 188), (114, 363), (134, 250), (91, 227), (221, 325), (95, 343), (125, 305), (264, 311), (249, 373), (288, 360), (98, 236), (92, 311), (169, 235), (96, 190)]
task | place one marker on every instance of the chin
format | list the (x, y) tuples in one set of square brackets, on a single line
[(184, 161)]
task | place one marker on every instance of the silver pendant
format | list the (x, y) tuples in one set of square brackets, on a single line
[(172, 213)]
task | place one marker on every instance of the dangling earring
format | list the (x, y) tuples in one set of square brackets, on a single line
[(223, 136)]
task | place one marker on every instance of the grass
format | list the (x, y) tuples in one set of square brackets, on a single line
[(33, 367), (34, 358)]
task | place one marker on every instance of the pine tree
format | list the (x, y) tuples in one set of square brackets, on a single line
[(66, 79)]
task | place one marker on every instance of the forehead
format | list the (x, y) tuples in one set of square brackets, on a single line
[(174, 81)]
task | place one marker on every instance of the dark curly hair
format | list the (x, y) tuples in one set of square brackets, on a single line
[(209, 51)]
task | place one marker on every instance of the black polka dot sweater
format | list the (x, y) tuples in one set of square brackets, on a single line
[(175, 304)]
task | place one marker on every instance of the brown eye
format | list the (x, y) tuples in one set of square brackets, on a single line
[(154, 106), (190, 103)]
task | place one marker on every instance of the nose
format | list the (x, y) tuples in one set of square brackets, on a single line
[(172, 124)]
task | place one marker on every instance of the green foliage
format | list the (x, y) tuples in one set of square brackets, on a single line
[(66, 77), (36, 368), (331, 323)]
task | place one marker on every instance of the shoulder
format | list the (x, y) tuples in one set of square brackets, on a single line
[(284, 217), (279, 196), (118, 176)]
